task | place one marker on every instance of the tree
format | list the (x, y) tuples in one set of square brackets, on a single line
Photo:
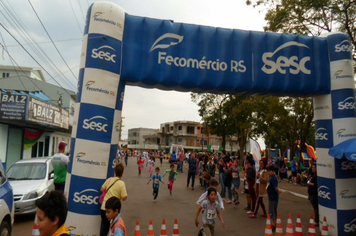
[(211, 111), (310, 17)]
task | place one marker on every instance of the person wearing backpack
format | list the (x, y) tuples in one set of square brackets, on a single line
[(115, 187)]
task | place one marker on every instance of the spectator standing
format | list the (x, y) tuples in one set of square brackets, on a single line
[(294, 171), (181, 158), (273, 195), (192, 169), (313, 193), (277, 164), (251, 180), (115, 188), (261, 184), (60, 163), (222, 167)]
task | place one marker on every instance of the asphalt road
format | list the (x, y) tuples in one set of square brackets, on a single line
[(181, 206)]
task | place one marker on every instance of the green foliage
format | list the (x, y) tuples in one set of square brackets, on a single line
[(280, 121), (309, 17)]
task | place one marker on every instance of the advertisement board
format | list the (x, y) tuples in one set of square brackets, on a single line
[(44, 113)]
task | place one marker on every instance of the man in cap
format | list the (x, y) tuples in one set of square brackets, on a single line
[(60, 163)]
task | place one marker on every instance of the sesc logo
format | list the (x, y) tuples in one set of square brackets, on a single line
[(344, 46), (321, 134), (348, 165), (350, 227), (282, 63), (117, 127), (95, 125), (83, 198), (174, 38), (103, 54), (353, 157), (324, 192), (114, 163), (348, 103)]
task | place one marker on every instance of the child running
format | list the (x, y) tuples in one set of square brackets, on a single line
[(140, 163), (150, 163), (156, 179), (117, 225), (211, 210), (172, 176), (235, 183), (213, 183)]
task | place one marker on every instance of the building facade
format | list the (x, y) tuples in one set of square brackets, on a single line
[(34, 115), (192, 135)]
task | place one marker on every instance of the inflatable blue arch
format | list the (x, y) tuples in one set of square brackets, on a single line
[(120, 49)]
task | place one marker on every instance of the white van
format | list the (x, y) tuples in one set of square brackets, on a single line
[(175, 148), (6, 204)]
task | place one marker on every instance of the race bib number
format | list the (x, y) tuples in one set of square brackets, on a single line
[(211, 214), (235, 175), (156, 181)]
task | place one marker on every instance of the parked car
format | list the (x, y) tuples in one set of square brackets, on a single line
[(30, 179), (6, 204)]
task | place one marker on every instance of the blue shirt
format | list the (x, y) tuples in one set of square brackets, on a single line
[(294, 166), (192, 164), (271, 190), (156, 178)]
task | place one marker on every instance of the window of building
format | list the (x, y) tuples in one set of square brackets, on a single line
[(5, 75), (179, 140), (180, 127), (190, 129), (171, 128)]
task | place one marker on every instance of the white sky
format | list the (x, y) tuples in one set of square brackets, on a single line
[(64, 22)]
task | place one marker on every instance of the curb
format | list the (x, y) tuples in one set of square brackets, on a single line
[(295, 194)]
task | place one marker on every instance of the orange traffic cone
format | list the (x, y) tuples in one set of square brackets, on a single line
[(298, 227), (163, 228), (137, 228), (325, 230), (268, 229), (175, 228), (289, 230), (35, 231), (150, 229), (279, 228), (311, 230)]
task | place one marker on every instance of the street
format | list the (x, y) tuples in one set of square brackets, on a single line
[(181, 206)]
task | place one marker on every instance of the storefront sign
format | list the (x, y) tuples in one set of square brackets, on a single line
[(44, 113), (13, 107)]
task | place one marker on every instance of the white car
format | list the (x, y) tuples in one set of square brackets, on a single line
[(30, 179), (6, 204)]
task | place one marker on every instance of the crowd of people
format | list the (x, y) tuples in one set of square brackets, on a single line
[(259, 180)]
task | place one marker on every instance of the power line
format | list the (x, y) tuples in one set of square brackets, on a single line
[(52, 41), (30, 55), (26, 35), (75, 16)]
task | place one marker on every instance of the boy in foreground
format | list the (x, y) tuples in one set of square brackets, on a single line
[(117, 225), (273, 195)]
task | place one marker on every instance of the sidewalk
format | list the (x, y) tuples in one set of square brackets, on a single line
[(296, 190)]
